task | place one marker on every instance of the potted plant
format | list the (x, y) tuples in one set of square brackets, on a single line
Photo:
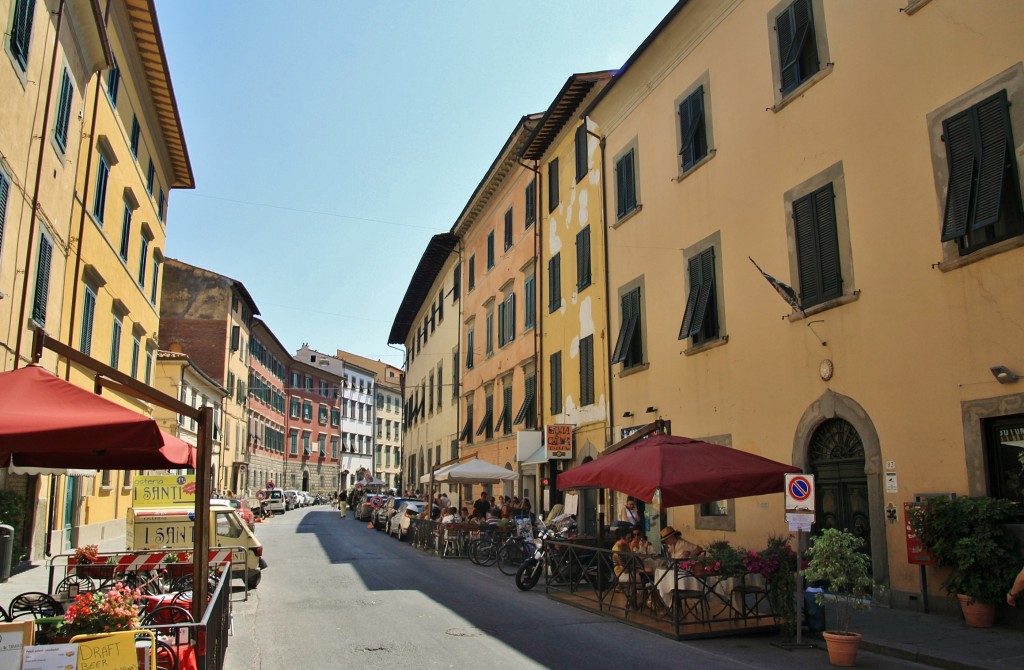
[(969, 535), (835, 557), (774, 570), (87, 561), (101, 612)]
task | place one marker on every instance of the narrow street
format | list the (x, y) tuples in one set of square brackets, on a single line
[(339, 595)]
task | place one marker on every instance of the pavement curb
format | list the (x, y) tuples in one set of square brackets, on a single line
[(916, 656)]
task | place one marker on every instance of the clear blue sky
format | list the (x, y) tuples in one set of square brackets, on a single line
[(330, 139)]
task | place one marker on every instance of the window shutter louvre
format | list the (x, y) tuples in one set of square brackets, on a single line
[(996, 149), (706, 264), (960, 149), (630, 181), (691, 115), (5, 189), (620, 188), (828, 243), (691, 298), (42, 281), (798, 57), (807, 254)]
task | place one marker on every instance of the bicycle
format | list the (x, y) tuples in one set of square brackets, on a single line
[(483, 550), (511, 554)]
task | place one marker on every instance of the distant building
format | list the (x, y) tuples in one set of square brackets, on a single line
[(177, 376), (209, 317), (315, 424), (269, 363), (427, 324)]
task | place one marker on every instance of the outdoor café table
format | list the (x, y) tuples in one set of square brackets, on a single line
[(149, 603), (716, 591)]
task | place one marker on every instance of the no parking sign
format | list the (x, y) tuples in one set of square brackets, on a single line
[(800, 493)]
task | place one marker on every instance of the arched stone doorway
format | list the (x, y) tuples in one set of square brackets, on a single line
[(305, 480), (837, 441)]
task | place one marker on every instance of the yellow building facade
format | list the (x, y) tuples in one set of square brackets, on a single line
[(132, 154), (850, 150), (499, 335), (572, 308), (112, 149)]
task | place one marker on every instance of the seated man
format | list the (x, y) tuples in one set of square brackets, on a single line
[(452, 516)]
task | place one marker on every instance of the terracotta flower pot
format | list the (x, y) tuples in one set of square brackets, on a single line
[(977, 615), (842, 647)]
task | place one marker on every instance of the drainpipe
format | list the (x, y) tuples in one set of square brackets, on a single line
[(538, 328), (607, 291), (35, 189), (603, 502)]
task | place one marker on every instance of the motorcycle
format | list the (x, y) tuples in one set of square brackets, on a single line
[(563, 565)]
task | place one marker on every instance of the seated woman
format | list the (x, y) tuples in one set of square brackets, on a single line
[(639, 544), (452, 516)]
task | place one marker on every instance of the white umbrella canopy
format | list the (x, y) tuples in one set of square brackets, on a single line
[(475, 471), (425, 479)]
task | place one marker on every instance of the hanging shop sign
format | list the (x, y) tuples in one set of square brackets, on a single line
[(558, 441)]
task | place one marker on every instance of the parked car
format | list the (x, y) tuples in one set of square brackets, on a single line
[(382, 516), (274, 502), (291, 498), (244, 509), (370, 502), (308, 498), (407, 511)]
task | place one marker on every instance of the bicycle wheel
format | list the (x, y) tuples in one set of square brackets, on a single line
[(484, 552), (510, 556)]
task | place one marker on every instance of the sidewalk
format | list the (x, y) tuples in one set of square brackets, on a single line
[(931, 639), (36, 577)]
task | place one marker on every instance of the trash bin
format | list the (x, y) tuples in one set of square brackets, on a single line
[(6, 551)]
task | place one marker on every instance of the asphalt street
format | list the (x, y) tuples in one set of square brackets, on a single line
[(337, 594)]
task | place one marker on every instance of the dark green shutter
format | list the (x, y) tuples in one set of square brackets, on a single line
[(556, 382), (21, 29), (691, 128), (798, 53), (581, 152), (817, 247), (707, 285), (828, 243), (961, 158), (996, 156), (5, 189), (691, 298), (42, 281), (583, 270)]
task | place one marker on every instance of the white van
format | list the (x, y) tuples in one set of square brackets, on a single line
[(273, 501)]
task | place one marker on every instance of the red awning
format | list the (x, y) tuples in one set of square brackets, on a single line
[(688, 472), (48, 422)]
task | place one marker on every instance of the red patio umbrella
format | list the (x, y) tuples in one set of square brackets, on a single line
[(687, 471), (48, 422)]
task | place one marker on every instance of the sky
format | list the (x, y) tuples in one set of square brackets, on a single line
[(331, 139)]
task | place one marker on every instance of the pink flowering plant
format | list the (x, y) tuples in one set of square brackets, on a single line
[(778, 554), (102, 612)]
